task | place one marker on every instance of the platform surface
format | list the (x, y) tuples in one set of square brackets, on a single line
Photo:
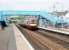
[(54, 29), (7, 39), (12, 39)]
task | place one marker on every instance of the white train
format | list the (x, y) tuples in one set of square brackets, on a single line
[(31, 22)]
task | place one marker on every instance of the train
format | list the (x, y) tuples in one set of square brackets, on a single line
[(31, 22)]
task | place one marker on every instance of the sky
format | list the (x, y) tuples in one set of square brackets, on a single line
[(34, 5)]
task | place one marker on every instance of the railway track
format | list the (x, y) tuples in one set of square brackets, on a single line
[(45, 40), (58, 38)]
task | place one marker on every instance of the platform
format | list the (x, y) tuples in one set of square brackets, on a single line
[(12, 39), (7, 39), (59, 30)]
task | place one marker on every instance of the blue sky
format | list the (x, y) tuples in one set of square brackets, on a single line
[(33, 5)]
